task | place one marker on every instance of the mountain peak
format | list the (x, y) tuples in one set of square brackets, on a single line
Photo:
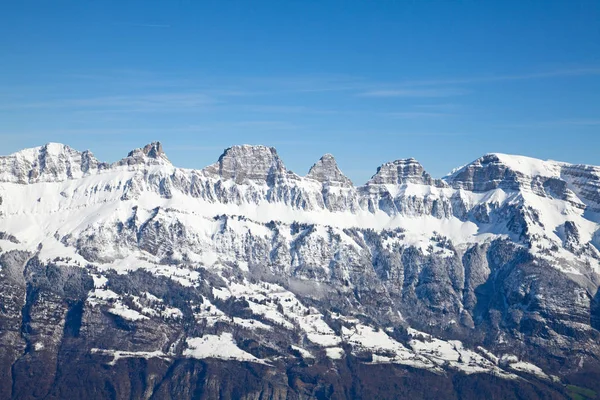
[(55, 148), (153, 150), (326, 170), (243, 163), (403, 171), (150, 154), (497, 170), (50, 148), (47, 163)]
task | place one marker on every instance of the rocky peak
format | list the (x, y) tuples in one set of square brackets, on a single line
[(485, 173), (570, 235), (48, 163), (153, 150), (404, 171), (503, 171), (249, 163), (151, 154), (326, 170)]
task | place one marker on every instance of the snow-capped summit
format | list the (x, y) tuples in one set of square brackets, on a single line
[(503, 171), (327, 171), (404, 171), (578, 184), (48, 163)]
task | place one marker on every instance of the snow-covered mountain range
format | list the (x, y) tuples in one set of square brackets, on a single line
[(488, 277)]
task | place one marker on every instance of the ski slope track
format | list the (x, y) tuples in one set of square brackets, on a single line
[(487, 277)]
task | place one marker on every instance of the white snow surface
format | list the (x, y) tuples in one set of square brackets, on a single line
[(529, 368), (119, 354), (530, 166), (217, 346)]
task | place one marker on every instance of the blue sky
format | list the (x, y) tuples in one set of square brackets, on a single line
[(369, 81)]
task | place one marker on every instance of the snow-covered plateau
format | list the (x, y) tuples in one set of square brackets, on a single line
[(297, 285)]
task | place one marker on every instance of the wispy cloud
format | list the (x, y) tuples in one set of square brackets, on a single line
[(214, 127), (418, 114), (109, 131), (229, 87), (438, 107), (142, 25), (429, 133), (398, 132), (412, 93), (265, 124), (108, 95), (126, 103), (368, 88), (590, 122), (558, 123), (506, 77), (305, 84), (282, 109)]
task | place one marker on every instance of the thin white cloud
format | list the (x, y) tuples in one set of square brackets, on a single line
[(138, 103), (108, 131), (213, 127), (558, 123), (438, 107), (369, 88), (142, 25), (588, 122), (265, 124), (232, 87), (506, 77), (412, 93), (376, 133), (304, 84), (418, 114), (282, 109)]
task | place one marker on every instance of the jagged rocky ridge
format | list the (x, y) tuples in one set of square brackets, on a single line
[(139, 267)]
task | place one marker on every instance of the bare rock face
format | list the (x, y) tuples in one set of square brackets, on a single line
[(486, 173), (404, 171), (570, 236), (151, 154), (249, 163), (327, 171), (585, 179)]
